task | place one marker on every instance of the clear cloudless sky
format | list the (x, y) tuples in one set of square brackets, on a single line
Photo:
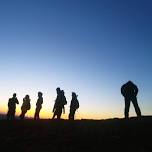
[(90, 47)]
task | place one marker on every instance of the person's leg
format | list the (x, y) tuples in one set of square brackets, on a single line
[(21, 115), (70, 114), (13, 114), (36, 113), (127, 106), (137, 109), (24, 112), (54, 114), (74, 114), (8, 115), (59, 113)]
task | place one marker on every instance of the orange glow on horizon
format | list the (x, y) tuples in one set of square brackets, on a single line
[(82, 113), (49, 114)]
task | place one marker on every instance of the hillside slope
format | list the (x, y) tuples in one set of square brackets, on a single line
[(84, 135)]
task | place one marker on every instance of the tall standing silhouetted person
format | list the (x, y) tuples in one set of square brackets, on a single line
[(12, 107), (59, 104), (25, 106), (73, 106), (38, 105), (129, 90)]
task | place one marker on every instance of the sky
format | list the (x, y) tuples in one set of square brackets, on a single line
[(91, 47)]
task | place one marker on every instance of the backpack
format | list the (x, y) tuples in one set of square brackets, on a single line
[(28, 106), (77, 104), (64, 101)]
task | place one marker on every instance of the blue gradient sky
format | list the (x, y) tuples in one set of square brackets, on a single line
[(91, 47)]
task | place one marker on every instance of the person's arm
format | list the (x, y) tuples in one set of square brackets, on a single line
[(136, 90), (63, 109), (54, 107), (42, 101), (78, 104), (9, 103), (17, 101), (37, 102), (122, 90), (64, 100)]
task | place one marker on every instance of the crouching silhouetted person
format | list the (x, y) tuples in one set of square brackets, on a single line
[(59, 104), (12, 107), (38, 105), (74, 106), (25, 106), (130, 91)]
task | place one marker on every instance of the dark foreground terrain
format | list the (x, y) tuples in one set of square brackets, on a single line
[(134, 135)]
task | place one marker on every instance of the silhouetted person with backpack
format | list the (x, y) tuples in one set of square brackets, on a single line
[(59, 104), (25, 106), (12, 107), (38, 105), (130, 91), (73, 106)]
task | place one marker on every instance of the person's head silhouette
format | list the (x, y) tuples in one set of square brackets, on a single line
[(40, 94), (14, 95), (27, 97), (62, 92), (58, 90), (74, 95), (130, 83)]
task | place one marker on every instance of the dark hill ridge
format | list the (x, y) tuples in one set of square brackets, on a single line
[(133, 135)]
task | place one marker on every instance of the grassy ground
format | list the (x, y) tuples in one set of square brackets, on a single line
[(133, 135)]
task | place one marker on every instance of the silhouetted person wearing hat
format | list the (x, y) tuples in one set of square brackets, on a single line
[(25, 106), (12, 107), (59, 104), (130, 91), (38, 105), (73, 106)]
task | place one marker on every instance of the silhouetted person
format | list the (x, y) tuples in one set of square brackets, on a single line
[(59, 104), (73, 106), (130, 91), (25, 106), (12, 107), (38, 105)]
